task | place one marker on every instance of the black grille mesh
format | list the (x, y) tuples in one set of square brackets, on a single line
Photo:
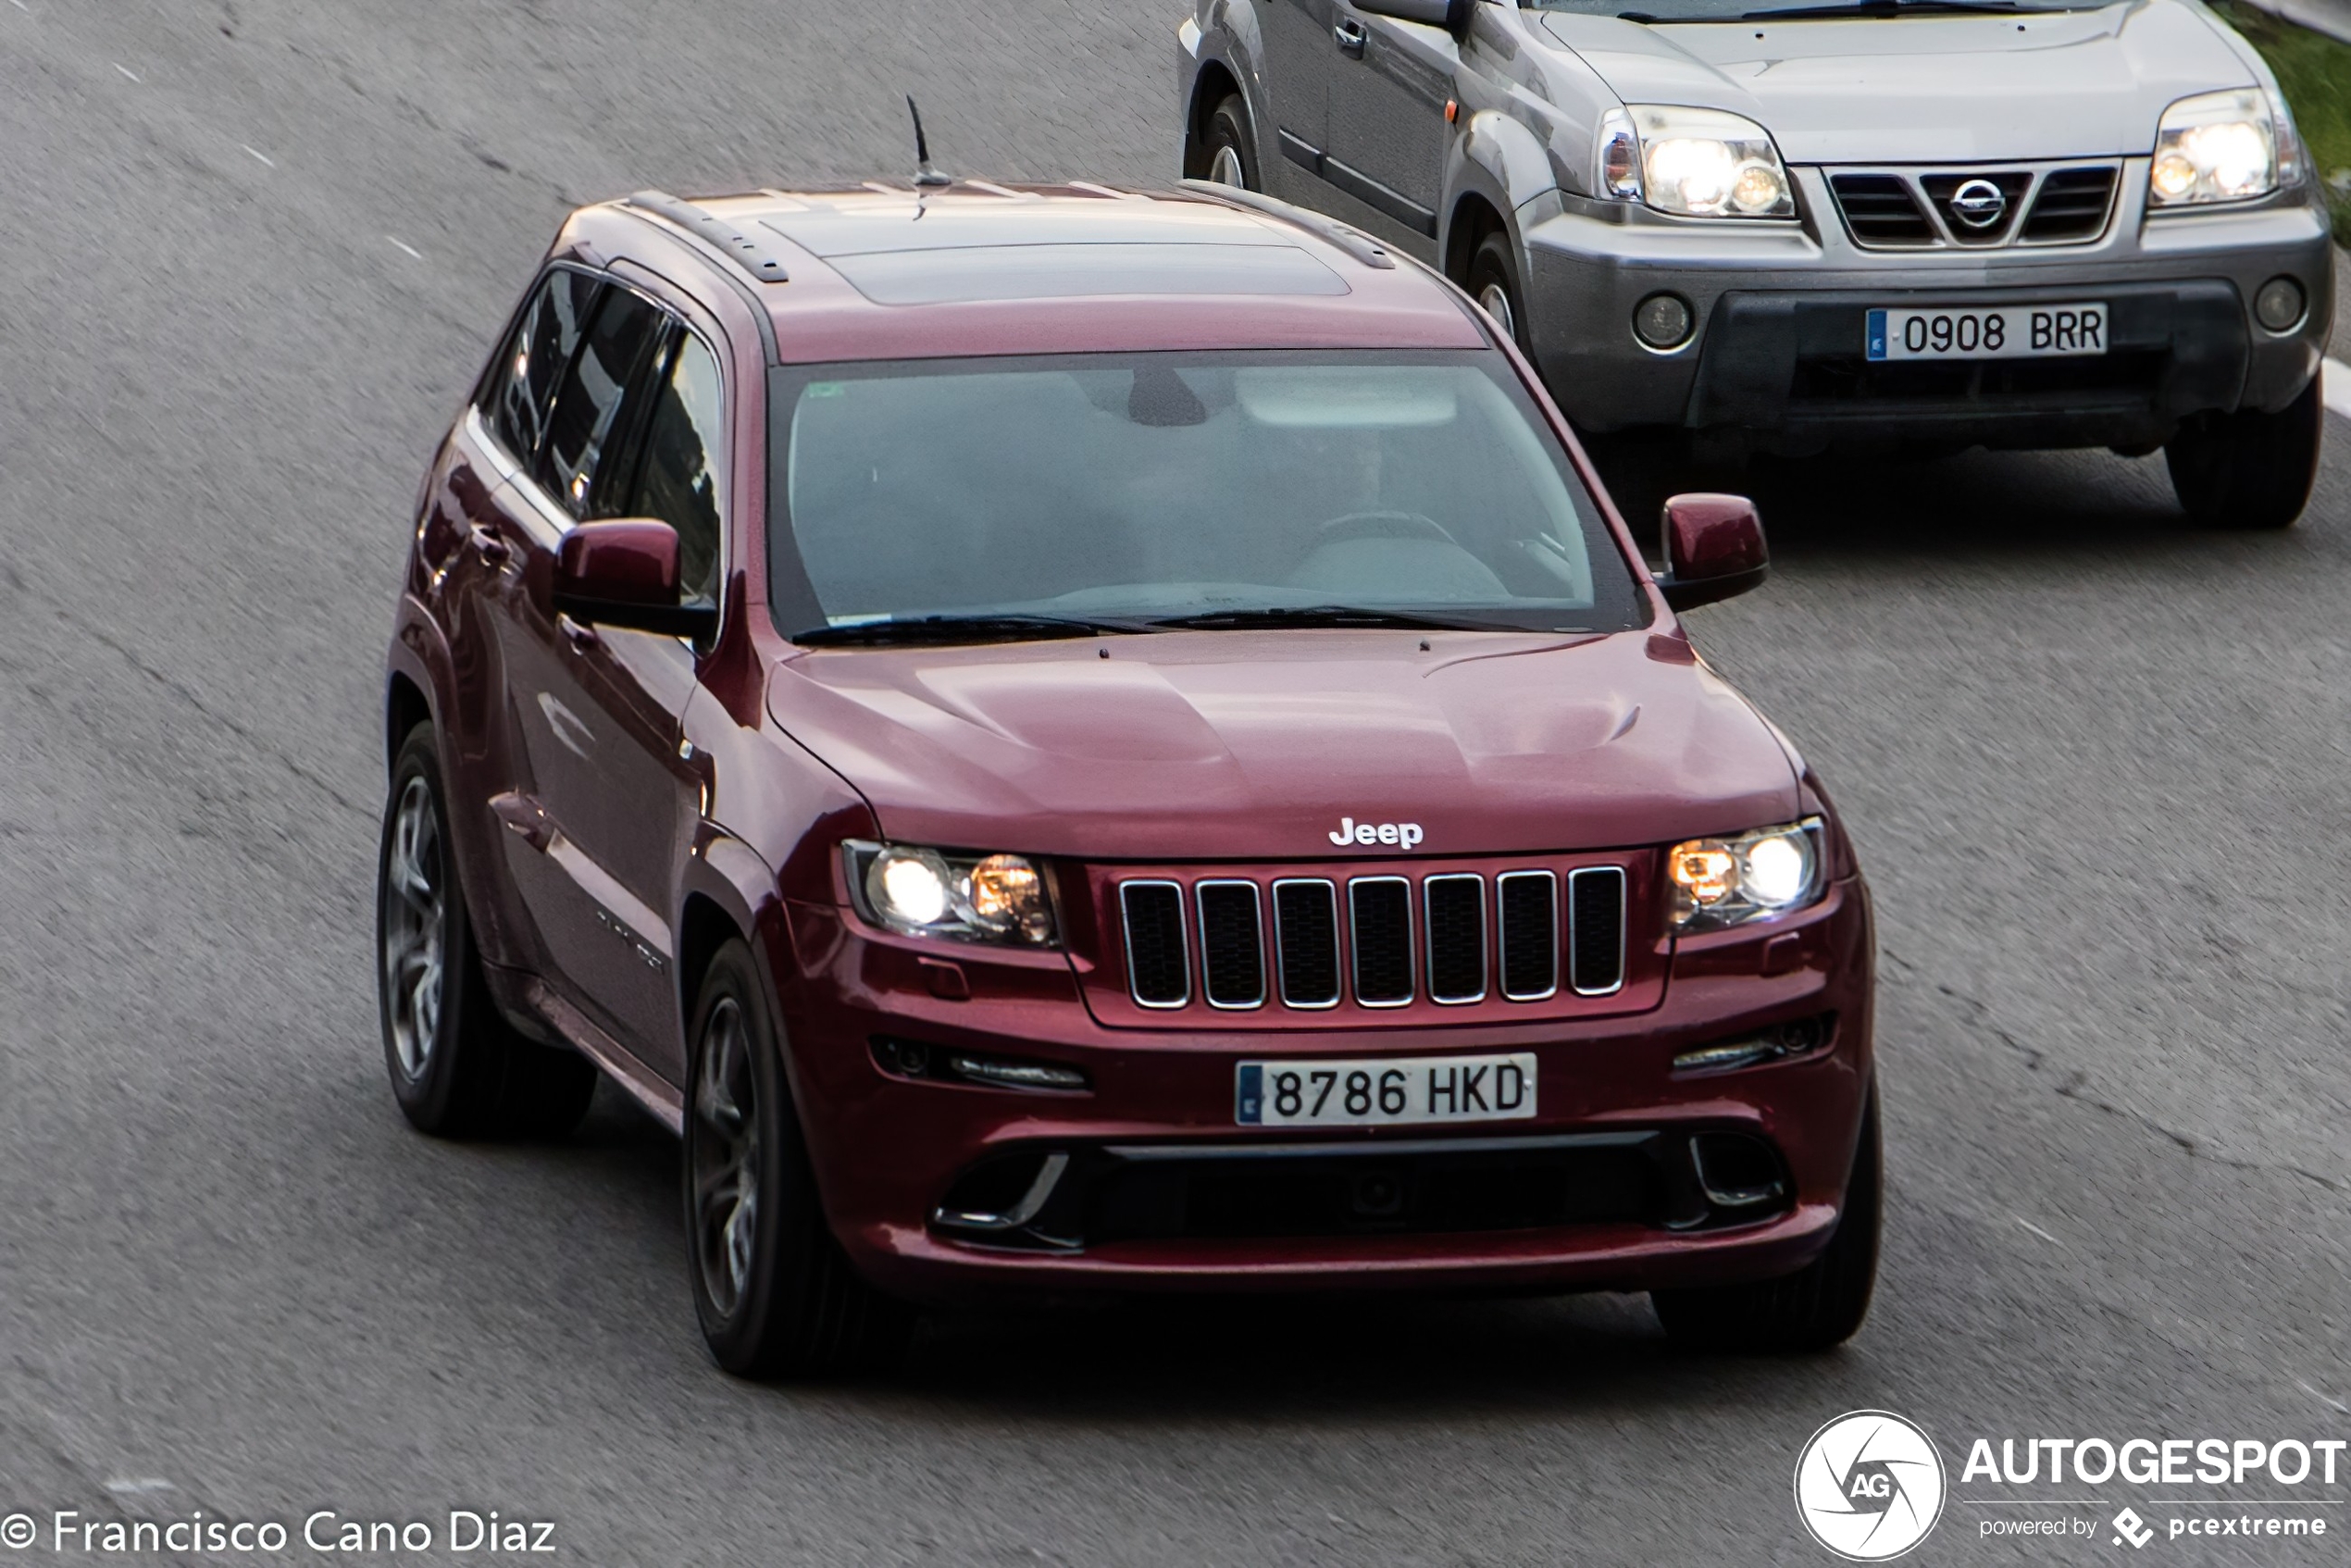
[(1232, 965), (1881, 210), (1530, 933), (1381, 911), (1596, 929), (1155, 943), (2073, 205), (1306, 913), (1456, 938)]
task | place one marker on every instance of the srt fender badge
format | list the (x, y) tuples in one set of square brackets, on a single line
[(1350, 831)]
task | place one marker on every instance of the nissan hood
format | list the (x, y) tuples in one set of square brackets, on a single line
[(1225, 745), (2026, 84)]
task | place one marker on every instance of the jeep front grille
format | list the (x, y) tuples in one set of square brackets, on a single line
[(1158, 967), (1382, 940)]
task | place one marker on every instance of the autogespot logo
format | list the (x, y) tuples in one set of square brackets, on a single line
[(1868, 1485)]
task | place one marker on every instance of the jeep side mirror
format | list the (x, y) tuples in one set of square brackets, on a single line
[(1713, 549), (623, 573), (1453, 15)]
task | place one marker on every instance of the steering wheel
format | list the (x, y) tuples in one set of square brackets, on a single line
[(1382, 524)]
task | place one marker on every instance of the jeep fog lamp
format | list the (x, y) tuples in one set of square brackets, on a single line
[(2228, 147), (1728, 881)]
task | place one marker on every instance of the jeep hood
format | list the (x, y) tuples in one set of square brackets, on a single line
[(2047, 84), (1225, 745)]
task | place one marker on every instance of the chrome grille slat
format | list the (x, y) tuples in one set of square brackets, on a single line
[(1596, 929), (1453, 926), (1232, 953), (1379, 919), (1158, 957), (1306, 942), (1526, 907)]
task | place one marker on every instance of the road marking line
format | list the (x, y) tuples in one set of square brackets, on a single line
[(263, 157), (139, 1486), (125, 70), (2328, 1398), (2335, 381), (405, 246), (22, 6), (2039, 1232)]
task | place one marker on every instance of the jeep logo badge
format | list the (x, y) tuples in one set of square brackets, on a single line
[(1979, 204), (1349, 831)]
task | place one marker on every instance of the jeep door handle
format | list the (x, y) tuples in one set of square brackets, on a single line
[(487, 546), (1350, 35), (580, 636)]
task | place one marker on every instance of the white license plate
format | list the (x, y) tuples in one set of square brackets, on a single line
[(1387, 1091), (2011, 331)]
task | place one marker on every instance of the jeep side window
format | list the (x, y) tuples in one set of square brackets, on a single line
[(622, 334), (682, 456), (521, 387)]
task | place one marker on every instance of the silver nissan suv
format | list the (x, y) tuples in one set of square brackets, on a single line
[(1923, 224)]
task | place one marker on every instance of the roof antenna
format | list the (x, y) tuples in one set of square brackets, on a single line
[(926, 176)]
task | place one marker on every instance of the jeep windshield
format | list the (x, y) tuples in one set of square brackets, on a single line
[(976, 500)]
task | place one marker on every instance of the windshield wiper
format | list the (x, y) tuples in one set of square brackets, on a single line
[(1274, 617), (1891, 8), (960, 628)]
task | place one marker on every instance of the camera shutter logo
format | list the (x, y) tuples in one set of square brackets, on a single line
[(1868, 1485)]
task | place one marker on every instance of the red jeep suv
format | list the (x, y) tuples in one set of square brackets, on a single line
[(1074, 741)]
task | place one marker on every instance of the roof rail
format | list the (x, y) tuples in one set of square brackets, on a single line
[(1354, 242), (752, 256)]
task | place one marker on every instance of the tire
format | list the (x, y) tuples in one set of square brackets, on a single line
[(1820, 1305), (775, 1295), (1227, 155), (458, 1069), (1493, 283), (2248, 469)]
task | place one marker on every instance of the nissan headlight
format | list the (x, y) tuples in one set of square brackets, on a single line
[(2228, 147), (1693, 163), (972, 897), (1728, 881)]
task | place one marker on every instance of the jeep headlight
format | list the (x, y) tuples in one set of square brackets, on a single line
[(1728, 881), (972, 897), (2228, 147), (1693, 163)]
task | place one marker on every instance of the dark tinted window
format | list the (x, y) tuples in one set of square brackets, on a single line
[(683, 455), (590, 395), (1157, 485), (523, 384)]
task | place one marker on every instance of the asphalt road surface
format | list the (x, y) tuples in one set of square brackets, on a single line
[(251, 254)]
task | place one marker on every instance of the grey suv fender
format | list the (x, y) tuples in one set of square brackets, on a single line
[(1226, 53), (1498, 163)]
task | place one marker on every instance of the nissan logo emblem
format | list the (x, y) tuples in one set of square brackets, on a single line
[(1979, 204)]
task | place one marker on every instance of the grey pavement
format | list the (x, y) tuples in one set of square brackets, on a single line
[(255, 250)]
